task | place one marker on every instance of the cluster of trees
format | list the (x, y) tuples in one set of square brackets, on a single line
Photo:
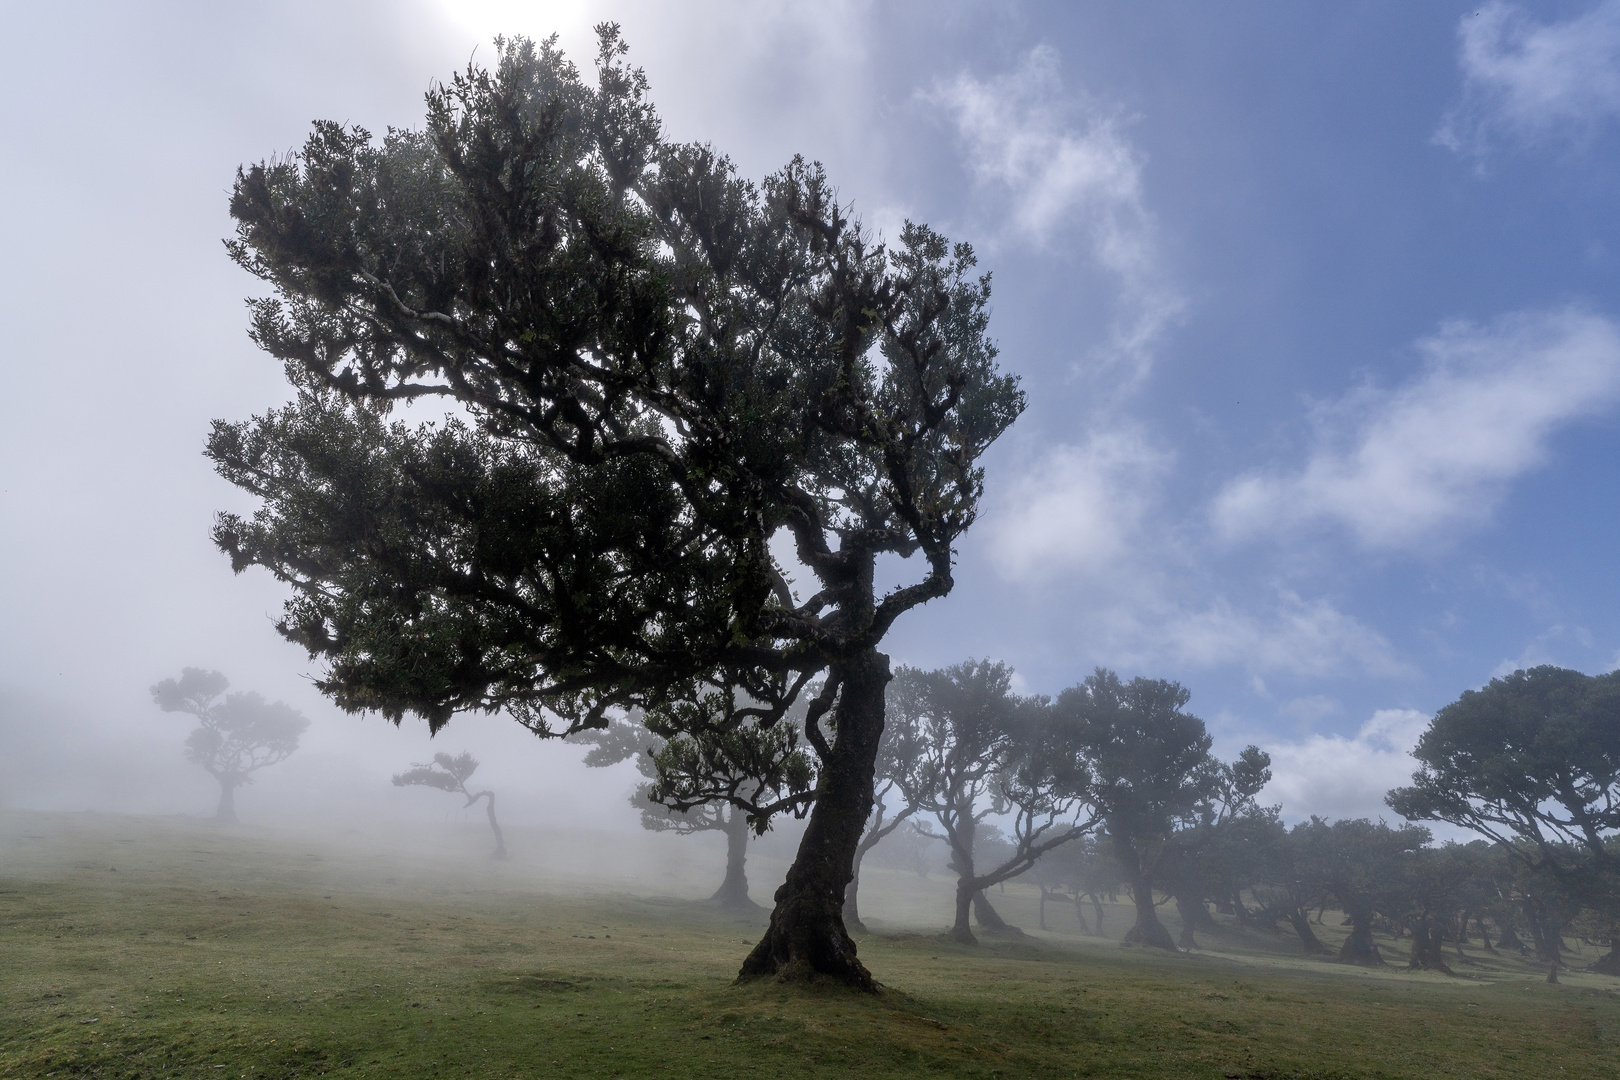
[(690, 415)]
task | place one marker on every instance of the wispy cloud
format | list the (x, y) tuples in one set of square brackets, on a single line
[(1344, 777), (1399, 468), (1527, 81), (1066, 169), (1311, 638), (1077, 511)]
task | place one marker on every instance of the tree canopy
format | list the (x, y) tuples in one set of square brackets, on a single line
[(236, 735), (650, 369)]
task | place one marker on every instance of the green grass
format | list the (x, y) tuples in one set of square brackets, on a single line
[(209, 953)]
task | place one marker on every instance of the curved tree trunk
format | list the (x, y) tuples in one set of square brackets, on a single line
[(494, 826), (1148, 929), (807, 937), (1359, 948), (1096, 906), (1307, 937), (1080, 914), (733, 891), (226, 812), (987, 917)]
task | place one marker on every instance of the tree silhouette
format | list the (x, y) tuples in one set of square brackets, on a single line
[(236, 735), (629, 739), (978, 749), (1531, 762), (656, 369), (451, 774)]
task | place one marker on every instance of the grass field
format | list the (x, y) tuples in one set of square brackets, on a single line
[(141, 947)]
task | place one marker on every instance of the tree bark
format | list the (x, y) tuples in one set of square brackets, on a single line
[(1096, 906), (807, 938), (1307, 937), (960, 930), (1427, 954), (1148, 929), (1080, 914), (226, 811), (1359, 948), (733, 891), (986, 916)]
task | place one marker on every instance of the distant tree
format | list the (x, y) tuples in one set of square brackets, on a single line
[(1078, 872), (236, 735), (656, 370), (629, 739), (892, 806), (1284, 887), (1150, 769), (451, 774), (1364, 867), (1532, 762), (1216, 850), (977, 749)]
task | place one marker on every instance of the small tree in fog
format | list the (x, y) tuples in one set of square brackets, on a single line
[(978, 749), (237, 734), (451, 774), (629, 739)]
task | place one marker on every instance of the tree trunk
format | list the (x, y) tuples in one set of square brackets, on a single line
[(986, 916), (1080, 914), (1509, 939), (226, 812), (1188, 921), (494, 826), (1484, 935), (1096, 906), (1148, 929), (807, 937), (1041, 919), (1359, 948), (733, 891), (960, 931), (1302, 926), (1609, 962), (1427, 954)]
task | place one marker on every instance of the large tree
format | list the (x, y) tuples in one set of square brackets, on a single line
[(1532, 762), (236, 735), (652, 369), (450, 773), (976, 749)]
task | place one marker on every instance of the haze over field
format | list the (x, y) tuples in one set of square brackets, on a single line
[(1314, 308)]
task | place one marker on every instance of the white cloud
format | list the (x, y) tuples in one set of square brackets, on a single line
[(1300, 637), (1078, 509), (1338, 777), (1530, 80), (1066, 167), (1400, 467)]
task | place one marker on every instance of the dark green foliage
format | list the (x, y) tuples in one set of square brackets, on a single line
[(653, 368), (1532, 761), (1364, 867), (236, 735)]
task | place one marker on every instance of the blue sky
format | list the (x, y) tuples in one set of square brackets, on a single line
[(1315, 305)]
